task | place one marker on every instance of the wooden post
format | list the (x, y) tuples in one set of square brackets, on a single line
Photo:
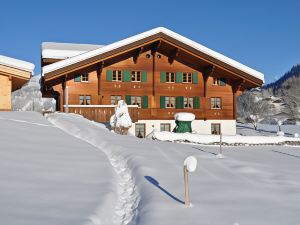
[(99, 72), (66, 106), (220, 143), (186, 186)]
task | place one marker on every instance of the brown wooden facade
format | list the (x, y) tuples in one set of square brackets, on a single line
[(153, 58), (11, 79)]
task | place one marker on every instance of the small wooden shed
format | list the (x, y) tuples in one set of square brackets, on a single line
[(14, 74)]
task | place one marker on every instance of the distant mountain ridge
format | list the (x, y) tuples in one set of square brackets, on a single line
[(294, 72)]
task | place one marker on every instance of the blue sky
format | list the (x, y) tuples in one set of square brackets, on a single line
[(264, 35)]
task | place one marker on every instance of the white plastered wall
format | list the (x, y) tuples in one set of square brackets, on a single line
[(228, 127)]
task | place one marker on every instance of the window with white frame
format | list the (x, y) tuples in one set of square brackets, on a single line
[(136, 100), (170, 77), (85, 77), (136, 76), (117, 75), (215, 128), (188, 102), (87, 99), (215, 103), (114, 99), (165, 127), (169, 102), (187, 78), (81, 99)]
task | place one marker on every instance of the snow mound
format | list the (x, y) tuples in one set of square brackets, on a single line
[(120, 122), (296, 135), (183, 116), (226, 139), (280, 133), (29, 98)]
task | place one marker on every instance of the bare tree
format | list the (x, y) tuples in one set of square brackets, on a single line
[(251, 108)]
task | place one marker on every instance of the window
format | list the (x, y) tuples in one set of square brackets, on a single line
[(85, 77), (187, 77), (215, 128), (215, 103), (219, 81), (88, 100), (136, 76), (216, 81), (81, 100), (117, 75), (169, 102), (140, 130), (188, 102), (170, 77), (165, 127), (136, 100), (114, 99), (77, 78)]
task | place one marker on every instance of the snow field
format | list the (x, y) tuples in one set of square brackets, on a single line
[(128, 198), (250, 185), (49, 177)]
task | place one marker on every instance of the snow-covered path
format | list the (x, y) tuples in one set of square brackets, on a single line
[(252, 185), (48, 177), (127, 196)]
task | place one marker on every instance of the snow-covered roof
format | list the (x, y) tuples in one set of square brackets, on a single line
[(55, 50), (16, 63), (118, 44)]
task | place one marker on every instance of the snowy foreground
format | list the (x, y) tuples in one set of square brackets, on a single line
[(103, 178)]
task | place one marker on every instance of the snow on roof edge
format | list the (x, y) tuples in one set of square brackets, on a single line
[(210, 52), (17, 63)]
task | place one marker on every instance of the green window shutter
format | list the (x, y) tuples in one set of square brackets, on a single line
[(162, 102), (144, 76), (127, 77), (109, 74), (195, 77), (179, 102), (77, 78), (179, 77), (162, 77), (196, 102), (222, 81), (128, 99), (145, 102)]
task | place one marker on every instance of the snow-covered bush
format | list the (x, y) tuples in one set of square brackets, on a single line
[(296, 135), (29, 98), (183, 122), (120, 122), (280, 133)]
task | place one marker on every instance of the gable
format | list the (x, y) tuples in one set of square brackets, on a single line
[(165, 41)]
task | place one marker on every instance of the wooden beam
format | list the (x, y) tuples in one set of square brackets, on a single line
[(155, 46), (137, 53), (237, 85), (173, 55), (207, 71), (99, 72)]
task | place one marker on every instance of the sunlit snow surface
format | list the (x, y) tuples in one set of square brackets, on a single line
[(50, 177), (249, 185)]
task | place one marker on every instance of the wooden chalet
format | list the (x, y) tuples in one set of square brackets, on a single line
[(14, 74), (158, 73)]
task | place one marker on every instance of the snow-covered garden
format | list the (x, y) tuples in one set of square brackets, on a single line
[(69, 170)]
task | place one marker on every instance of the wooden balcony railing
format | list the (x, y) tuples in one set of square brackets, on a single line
[(101, 113)]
